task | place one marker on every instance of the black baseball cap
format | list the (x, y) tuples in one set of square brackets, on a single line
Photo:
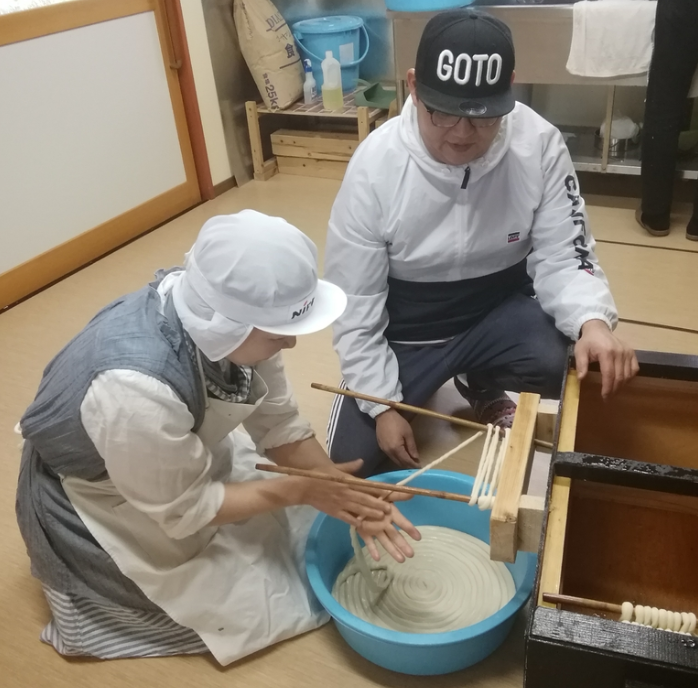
[(465, 61)]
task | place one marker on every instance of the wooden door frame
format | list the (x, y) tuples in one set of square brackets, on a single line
[(172, 9), (59, 261)]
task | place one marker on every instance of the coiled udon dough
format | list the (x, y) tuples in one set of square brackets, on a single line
[(450, 583)]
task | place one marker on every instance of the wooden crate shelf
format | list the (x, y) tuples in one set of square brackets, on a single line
[(314, 154), (317, 145)]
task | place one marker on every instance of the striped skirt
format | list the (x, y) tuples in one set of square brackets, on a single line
[(81, 626)]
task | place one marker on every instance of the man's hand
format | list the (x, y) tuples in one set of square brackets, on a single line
[(395, 438), (617, 360), (385, 531)]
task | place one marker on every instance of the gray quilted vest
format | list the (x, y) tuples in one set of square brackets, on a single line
[(135, 332)]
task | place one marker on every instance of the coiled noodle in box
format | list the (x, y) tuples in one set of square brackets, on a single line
[(449, 584)]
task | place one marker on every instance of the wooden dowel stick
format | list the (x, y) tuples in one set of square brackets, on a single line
[(399, 406), (582, 602), (429, 466), (360, 483), (442, 458)]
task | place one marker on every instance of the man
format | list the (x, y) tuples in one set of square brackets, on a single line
[(462, 242)]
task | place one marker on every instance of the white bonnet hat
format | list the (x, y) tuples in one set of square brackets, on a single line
[(250, 270)]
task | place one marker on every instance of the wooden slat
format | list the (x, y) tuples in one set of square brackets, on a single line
[(300, 109), (57, 262), (327, 169), (173, 57), (545, 423), (185, 77), (305, 153), (170, 59), (269, 169), (530, 522), (503, 523), (364, 122), (313, 144), (570, 411), (44, 21), (553, 552), (255, 137)]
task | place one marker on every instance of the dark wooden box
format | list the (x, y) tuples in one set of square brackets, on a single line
[(621, 523)]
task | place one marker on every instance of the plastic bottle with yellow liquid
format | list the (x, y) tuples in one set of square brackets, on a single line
[(332, 98)]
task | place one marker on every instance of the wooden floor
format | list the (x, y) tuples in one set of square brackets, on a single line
[(654, 281)]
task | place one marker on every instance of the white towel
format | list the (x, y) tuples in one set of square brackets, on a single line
[(612, 38)]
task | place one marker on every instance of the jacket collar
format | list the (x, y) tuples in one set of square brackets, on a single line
[(412, 140)]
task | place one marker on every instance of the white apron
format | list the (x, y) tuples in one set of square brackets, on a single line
[(240, 587)]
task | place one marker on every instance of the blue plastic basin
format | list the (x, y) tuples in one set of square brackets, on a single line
[(425, 5), (329, 550)]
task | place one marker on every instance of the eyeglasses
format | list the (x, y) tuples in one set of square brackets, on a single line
[(443, 120)]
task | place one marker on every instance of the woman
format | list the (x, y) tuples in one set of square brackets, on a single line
[(144, 518)]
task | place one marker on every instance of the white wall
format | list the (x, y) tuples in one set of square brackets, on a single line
[(206, 94)]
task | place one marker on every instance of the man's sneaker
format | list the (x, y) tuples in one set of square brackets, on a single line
[(498, 411)]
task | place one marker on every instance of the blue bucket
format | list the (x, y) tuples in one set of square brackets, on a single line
[(425, 5), (329, 549), (341, 36)]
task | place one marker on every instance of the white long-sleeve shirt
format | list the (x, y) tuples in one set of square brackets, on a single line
[(400, 214), (143, 431)]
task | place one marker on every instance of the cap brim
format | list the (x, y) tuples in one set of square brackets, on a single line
[(330, 302), (492, 106)]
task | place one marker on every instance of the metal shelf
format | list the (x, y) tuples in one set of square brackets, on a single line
[(542, 37), (587, 158)]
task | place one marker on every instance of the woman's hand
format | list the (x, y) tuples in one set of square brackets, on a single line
[(340, 500), (386, 532), (372, 514)]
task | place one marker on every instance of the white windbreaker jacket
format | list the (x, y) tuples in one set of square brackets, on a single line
[(401, 215)]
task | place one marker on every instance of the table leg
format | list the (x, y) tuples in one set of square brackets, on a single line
[(610, 104), (364, 125), (255, 138), (399, 94)]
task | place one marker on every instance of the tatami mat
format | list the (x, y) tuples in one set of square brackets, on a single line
[(655, 286), (617, 225), (652, 286)]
